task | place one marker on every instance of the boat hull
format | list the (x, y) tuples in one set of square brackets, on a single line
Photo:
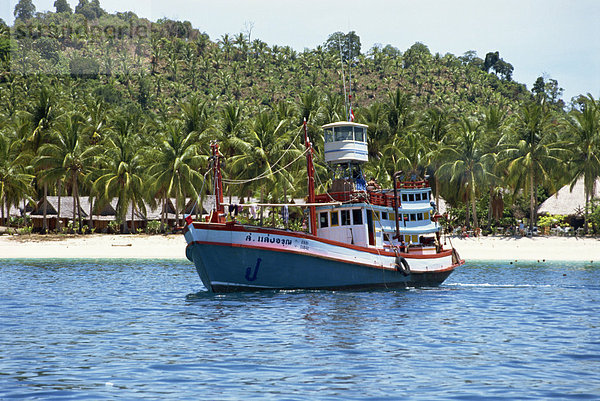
[(239, 260)]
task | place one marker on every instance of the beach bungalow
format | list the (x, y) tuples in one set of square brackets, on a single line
[(567, 202)]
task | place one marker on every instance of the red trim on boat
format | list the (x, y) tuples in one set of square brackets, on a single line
[(262, 230), (317, 256)]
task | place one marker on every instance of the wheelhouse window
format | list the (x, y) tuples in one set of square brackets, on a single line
[(323, 223), (359, 134), (343, 134), (419, 216), (345, 214), (384, 215), (328, 135), (426, 216), (357, 216), (411, 197), (413, 217), (335, 220), (404, 198)]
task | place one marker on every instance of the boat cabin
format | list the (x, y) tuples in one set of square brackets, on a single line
[(367, 215), (345, 142)]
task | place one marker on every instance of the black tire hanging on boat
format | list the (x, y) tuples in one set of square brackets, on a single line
[(402, 265)]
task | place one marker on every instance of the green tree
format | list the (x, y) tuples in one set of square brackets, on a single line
[(24, 10), (15, 182), (42, 114), (68, 157), (467, 163), (346, 43), (176, 165), (532, 153), (585, 144), (123, 169), (62, 7)]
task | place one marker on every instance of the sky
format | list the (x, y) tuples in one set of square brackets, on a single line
[(557, 39)]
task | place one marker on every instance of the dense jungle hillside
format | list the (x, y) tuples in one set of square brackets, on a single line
[(113, 105)]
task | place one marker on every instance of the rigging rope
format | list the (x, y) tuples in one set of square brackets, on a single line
[(263, 175)]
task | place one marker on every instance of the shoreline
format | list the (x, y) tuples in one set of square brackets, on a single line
[(528, 248), (93, 246), (172, 246)]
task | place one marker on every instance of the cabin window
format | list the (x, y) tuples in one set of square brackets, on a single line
[(328, 135), (359, 134), (415, 239), (411, 197), (343, 134), (384, 215), (413, 217), (426, 215), (417, 197), (386, 237), (404, 198), (357, 216), (335, 221), (407, 238), (345, 217), (323, 220), (419, 216)]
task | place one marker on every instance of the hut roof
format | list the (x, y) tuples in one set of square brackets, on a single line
[(565, 201), (66, 207)]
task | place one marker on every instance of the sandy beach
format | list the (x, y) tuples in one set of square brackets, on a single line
[(93, 246), (173, 247)]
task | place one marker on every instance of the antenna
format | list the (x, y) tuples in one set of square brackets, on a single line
[(343, 79), (351, 114)]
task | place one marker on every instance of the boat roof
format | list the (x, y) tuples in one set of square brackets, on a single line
[(344, 123)]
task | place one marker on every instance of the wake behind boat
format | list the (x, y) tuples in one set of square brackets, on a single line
[(359, 236)]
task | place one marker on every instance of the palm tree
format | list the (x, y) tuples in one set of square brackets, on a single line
[(532, 153), (435, 126), (15, 182), (42, 115), (68, 157), (176, 165), (378, 132), (495, 121), (123, 171), (262, 152), (467, 163), (407, 153), (585, 143)]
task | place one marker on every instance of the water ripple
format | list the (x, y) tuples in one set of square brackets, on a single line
[(80, 329)]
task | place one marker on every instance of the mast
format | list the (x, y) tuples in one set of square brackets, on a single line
[(311, 183), (343, 80), (351, 113), (218, 183)]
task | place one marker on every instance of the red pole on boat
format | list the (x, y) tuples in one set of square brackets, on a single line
[(218, 183), (311, 182)]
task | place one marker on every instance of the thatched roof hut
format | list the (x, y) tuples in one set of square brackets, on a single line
[(565, 201)]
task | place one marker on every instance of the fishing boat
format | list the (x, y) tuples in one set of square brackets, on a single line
[(359, 236)]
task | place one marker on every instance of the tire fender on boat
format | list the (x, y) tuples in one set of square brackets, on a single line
[(402, 265)]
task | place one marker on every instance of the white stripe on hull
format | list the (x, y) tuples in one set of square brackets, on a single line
[(310, 247)]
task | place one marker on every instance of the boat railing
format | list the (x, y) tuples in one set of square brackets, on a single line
[(372, 197), (413, 184)]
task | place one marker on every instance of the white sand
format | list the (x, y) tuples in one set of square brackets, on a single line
[(93, 246), (173, 247), (536, 248)]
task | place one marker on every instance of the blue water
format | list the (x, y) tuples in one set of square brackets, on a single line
[(102, 329)]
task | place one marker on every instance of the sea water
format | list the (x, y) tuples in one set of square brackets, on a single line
[(131, 329)]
